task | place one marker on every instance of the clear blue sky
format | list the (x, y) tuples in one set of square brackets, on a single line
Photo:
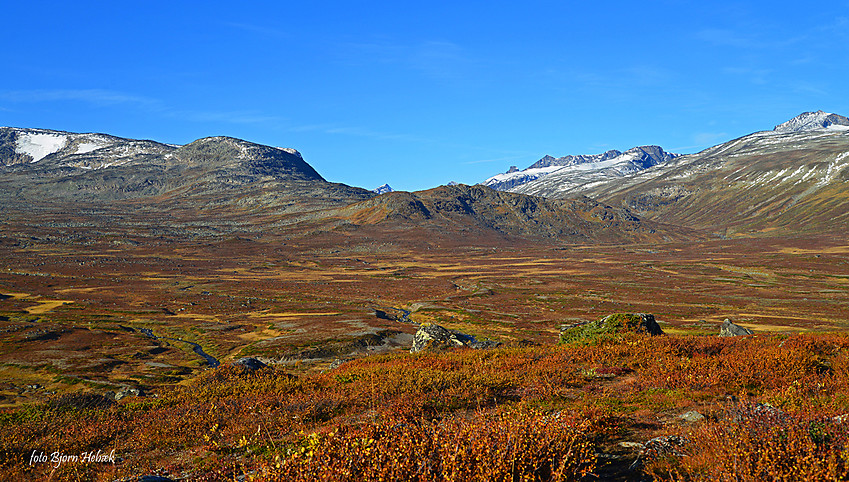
[(417, 94)]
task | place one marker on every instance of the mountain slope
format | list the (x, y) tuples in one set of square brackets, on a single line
[(792, 179)]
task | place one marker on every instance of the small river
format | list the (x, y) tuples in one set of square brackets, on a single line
[(210, 360)]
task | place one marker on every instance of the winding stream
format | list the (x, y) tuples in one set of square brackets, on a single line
[(210, 360)]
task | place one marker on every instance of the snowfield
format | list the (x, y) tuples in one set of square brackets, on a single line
[(39, 146)]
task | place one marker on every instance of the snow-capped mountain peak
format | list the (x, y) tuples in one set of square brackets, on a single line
[(809, 121), (383, 189), (571, 172)]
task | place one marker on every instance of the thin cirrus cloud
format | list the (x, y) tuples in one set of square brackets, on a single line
[(436, 60), (99, 97), (709, 138), (356, 132), (110, 98)]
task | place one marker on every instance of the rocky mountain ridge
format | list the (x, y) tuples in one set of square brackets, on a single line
[(564, 176), (809, 121)]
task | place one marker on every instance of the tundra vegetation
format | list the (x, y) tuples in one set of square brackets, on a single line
[(774, 408), (76, 303)]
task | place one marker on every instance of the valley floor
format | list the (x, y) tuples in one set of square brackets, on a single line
[(77, 307)]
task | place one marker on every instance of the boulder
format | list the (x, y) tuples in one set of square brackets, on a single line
[(663, 446), (692, 416), (433, 337), (639, 322), (249, 363), (730, 329), (128, 392), (610, 325)]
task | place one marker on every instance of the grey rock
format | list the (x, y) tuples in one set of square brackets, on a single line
[(691, 416), (730, 329), (665, 445), (128, 392), (433, 337), (249, 363)]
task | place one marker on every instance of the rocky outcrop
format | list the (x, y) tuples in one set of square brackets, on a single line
[(610, 325), (730, 329), (431, 337), (639, 322), (125, 393), (248, 363)]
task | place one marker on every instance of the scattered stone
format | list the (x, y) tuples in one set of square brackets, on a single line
[(336, 364), (433, 337), (757, 412), (730, 329), (664, 445), (691, 416), (249, 363)]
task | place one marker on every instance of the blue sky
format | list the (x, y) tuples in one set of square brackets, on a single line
[(418, 94)]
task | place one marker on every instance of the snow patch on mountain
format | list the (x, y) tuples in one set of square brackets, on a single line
[(294, 152), (38, 145)]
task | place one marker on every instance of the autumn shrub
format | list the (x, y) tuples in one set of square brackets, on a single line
[(757, 444), (229, 421), (504, 445)]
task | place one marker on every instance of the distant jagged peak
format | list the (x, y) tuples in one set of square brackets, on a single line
[(810, 121), (383, 189), (571, 160)]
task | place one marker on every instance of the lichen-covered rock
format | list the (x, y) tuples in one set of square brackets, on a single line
[(611, 325), (434, 337), (633, 322), (730, 329)]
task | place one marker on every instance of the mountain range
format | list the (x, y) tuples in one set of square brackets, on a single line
[(231, 185), (787, 180)]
